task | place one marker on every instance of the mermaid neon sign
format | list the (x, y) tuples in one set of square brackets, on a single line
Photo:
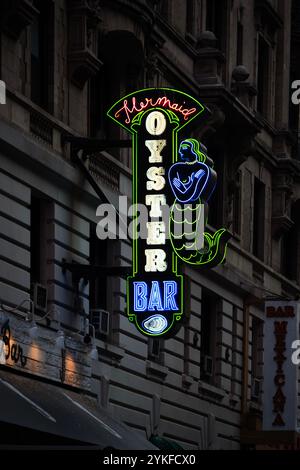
[(160, 102), (165, 174)]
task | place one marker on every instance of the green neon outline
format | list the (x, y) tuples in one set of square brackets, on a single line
[(176, 315), (173, 118)]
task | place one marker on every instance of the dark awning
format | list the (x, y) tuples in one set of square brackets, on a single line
[(34, 412)]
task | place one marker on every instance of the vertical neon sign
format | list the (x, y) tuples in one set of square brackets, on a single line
[(154, 117)]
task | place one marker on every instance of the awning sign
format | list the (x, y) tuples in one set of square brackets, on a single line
[(280, 403), (174, 183)]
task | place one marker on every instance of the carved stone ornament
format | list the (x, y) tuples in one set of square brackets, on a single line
[(15, 16), (84, 17)]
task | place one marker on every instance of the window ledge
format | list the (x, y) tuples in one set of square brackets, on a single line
[(233, 399), (155, 369), (255, 406), (187, 381), (111, 351), (206, 389)]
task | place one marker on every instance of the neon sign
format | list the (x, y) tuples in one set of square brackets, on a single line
[(161, 102), (165, 176)]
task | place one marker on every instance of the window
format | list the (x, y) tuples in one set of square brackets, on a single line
[(186, 326), (263, 76), (190, 17), (294, 75), (155, 350), (234, 361), (289, 258), (258, 219), (98, 101), (256, 358), (42, 55), (216, 201), (40, 212), (216, 20), (164, 9), (239, 43), (236, 205), (35, 240), (98, 257), (209, 304), (122, 55), (96, 106), (290, 244)]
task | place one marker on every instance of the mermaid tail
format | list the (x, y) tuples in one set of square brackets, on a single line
[(185, 222)]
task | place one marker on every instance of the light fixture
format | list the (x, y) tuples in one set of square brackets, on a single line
[(87, 338), (60, 340), (93, 354), (33, 330)]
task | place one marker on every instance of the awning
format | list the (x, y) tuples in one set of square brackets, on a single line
[(33, 412)]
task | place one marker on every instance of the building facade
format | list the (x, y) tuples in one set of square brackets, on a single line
[(64, 63)]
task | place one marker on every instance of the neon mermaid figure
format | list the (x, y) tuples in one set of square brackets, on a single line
[(191, 178)]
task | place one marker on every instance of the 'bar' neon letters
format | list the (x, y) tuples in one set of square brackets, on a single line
[(162, 296)]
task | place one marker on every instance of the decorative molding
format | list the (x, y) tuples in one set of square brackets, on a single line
[(154, 369), (281, 202), (15, 16), (110, 351), (211, 391), (265, 12), (281, 225), (84, 17), (187, 381)]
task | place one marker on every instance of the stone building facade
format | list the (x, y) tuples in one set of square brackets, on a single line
[(64, 64)]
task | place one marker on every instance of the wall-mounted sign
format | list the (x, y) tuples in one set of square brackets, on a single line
[(174, 181), (280, 404), (10, 351)]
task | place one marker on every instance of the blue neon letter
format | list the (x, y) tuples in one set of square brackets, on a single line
[(170, 290), (155, 297), (140, 296)]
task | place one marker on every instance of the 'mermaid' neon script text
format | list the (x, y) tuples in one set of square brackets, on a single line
[(163, 102)]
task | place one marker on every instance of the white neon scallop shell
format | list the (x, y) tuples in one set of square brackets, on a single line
[(155, 324)]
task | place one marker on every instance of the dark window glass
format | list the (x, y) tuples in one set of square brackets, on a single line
[(97, 107), (35, 240), (263, 77), (98, 257), (290, 244), (155, 350), (190, 17), (164, 9), (216, 12), (259, 219), (208, 322), (239, 44), (42, 55), (237, 205), (215, 203)]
